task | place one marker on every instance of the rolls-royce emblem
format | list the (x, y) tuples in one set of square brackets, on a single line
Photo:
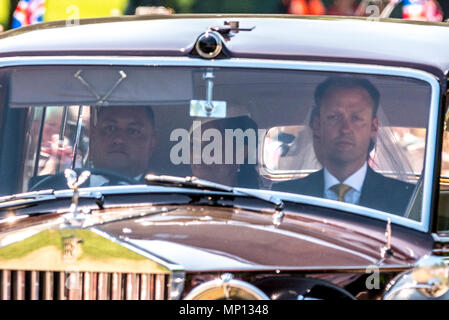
[(71, 248)]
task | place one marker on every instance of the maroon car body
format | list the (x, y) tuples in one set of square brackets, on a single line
[(191, 236)]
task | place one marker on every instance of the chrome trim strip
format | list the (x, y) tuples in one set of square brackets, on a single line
[(34, 285), (159, 287), (432, 129), (132, 286), (440, 238), (5, 293), (89, 286), (145, 286), (74, 285), (47, 289), (60, 286), (175, 285), (226, 286), (309, 269), (116, 286), (19, 285)]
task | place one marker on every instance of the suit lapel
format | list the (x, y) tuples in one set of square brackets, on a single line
[(315, 184), (370, 189)]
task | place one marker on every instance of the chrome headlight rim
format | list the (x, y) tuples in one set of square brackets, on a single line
[(226, 288)]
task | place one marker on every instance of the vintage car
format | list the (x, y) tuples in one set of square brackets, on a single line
[(190, 157)]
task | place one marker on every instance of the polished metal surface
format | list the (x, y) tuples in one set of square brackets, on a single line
[(45, 285), (428, 280), (74, 249), (226, 288), (219, 44), (77, 264), (326, 37)]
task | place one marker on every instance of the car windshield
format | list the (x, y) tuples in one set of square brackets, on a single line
[(348, 137)]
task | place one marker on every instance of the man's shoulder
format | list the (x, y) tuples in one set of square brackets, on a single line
[(385, 193), (301, 185), (395, 184)]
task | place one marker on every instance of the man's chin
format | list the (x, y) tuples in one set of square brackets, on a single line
[(118, 159), (343, 159), (115, 167)]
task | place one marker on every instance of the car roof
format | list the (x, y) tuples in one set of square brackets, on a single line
[(331, 38)]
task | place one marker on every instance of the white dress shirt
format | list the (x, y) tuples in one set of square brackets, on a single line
[(355, 181)]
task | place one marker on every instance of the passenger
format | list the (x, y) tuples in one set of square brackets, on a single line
[(122, 140), (234, 174), (346, 129)]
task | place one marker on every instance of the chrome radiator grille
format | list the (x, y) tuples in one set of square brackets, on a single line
[(47, 285)]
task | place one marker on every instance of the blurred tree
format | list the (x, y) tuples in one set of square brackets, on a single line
[(12, 8), (238, 6), (185, 6)]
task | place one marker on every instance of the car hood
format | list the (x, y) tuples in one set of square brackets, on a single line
[(206, 238)]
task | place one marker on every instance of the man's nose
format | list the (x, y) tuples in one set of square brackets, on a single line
[(117, 137), (345, 124)]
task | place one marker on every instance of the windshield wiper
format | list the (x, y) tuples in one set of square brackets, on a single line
[(49, 194), (27, 195), (186, 182), (196, 183)]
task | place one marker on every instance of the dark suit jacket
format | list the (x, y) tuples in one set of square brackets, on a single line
[(378, 192)]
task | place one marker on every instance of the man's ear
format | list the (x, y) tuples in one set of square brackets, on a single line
[(316, 126), (154, 139), (374, 127)]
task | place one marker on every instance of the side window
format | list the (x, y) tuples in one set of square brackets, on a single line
[(443, 203), (288, 149), (51, 136), (290, 152), (359, 140)]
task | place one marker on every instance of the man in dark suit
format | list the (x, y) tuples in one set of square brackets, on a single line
[(122, 140), (344, 129)]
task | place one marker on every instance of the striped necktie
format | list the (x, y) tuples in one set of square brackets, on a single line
[(341, 190)]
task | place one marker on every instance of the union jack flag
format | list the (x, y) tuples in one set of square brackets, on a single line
[(28, 12)]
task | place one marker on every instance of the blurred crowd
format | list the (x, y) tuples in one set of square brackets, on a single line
[(25, 12), (433, 10)]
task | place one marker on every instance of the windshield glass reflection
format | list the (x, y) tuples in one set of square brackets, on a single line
[(351, 138)]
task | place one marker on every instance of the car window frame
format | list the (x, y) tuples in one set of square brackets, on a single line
[(430, 161)]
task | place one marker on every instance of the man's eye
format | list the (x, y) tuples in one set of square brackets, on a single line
[(109, 129), (134, 132), (357, 118)]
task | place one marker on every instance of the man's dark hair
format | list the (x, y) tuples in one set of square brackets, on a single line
[(340, 82), (148, 109)]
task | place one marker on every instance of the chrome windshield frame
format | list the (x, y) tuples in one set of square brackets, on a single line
[(432, 129)]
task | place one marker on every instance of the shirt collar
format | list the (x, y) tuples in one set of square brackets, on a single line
[(355, 180)]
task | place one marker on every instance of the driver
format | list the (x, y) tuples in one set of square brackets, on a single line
[(122, 141)]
